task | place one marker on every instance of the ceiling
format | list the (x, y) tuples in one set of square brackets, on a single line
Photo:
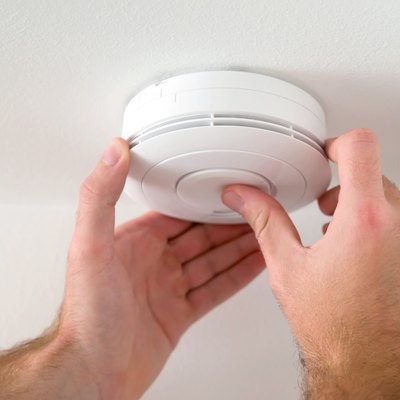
[(68, 69)]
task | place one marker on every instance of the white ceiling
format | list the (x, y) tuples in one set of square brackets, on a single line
[(68, 68)]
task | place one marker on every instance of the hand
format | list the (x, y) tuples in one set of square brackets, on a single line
[(341, 296), (131, 294)]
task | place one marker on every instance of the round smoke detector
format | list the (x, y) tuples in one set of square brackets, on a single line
[(194, 134)]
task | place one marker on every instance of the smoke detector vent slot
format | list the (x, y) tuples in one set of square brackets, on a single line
[(192, 121)]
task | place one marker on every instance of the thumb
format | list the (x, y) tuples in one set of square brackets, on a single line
[(275, 232), (94, 233)]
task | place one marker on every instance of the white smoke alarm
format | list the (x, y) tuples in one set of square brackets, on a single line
[(194, 134)]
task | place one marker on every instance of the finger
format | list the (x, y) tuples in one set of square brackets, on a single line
[(206, 297), (325, 228), (202, 269), (94, 232), (357, 156), (328, 201), (274, 230), (166, 226), (203, 237)]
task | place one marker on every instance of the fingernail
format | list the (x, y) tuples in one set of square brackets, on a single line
[(233, 201), (112, 154)]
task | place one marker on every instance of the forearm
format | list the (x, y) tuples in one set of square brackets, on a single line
[(45, 369), (371, 373)]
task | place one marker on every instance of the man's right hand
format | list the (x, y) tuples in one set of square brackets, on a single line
[(341, 296)]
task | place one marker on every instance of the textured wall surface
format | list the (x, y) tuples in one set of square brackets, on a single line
[(66, 71)]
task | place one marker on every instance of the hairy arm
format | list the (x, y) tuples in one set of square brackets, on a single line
[(130, 295), (360, 371), (44, 368), (341, 295)]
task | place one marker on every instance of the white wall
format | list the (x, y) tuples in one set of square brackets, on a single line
[(246, 337)]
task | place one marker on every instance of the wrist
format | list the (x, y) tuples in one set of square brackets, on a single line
[(45, 368), (69, 374), (357, 369), (87, 375)]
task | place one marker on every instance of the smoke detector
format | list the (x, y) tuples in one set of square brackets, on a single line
[(192, 135)]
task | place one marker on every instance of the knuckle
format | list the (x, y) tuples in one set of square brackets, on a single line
[(88, 192), (371, 216), (360, 155), (360, 135), (92, 192), (260, 224)]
